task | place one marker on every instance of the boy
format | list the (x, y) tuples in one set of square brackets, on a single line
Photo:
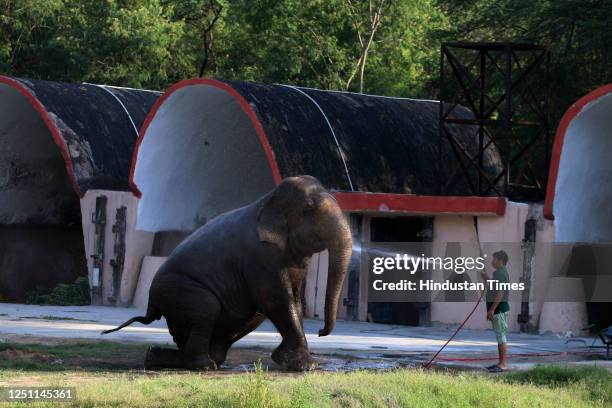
[(498, 309)]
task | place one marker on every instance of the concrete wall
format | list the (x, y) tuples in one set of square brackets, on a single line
[(150, 265), (137, 244), (460, 229), (493, 232)]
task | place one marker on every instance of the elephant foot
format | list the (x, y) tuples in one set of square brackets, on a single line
[(218, 353), (157, 358), (200, 364), (160, 358), (293, 360)]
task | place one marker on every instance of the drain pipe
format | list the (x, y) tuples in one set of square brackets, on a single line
[(528, 247)]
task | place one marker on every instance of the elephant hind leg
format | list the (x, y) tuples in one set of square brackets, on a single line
[(179, 334), (225, 336), (191, 318), (196, 354)]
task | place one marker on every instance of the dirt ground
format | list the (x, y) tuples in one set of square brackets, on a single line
[(72, 335), (34, 353), (90, 355)]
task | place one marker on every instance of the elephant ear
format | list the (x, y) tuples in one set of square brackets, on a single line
[(272, 223)]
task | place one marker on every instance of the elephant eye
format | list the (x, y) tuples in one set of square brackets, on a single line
[(308, 209), (309, 206)]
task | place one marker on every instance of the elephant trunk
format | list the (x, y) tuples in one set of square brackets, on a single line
[(340, 246)]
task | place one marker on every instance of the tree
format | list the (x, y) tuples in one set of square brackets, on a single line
[(577, 32), (127, 43), (365, 30)]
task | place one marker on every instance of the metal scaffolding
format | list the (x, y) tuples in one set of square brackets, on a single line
[(505, 86)]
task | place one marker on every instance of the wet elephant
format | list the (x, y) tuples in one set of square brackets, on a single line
[(244, 266)]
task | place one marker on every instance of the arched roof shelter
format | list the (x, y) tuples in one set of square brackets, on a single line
[(211, 145), (579, 190), (59, 139)]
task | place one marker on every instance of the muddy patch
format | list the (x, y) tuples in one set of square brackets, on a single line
[(30, 357), (20, 352)]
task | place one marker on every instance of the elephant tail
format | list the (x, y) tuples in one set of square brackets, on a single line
[(152, 314)]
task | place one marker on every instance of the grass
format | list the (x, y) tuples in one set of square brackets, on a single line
[(77, 354), (594, 383), (546, 386)]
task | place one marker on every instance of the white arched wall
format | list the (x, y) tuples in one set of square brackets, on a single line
[(34, 183), (199, 156), (583, 194)]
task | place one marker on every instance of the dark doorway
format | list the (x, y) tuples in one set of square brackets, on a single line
[(39, 256), (400, 229)]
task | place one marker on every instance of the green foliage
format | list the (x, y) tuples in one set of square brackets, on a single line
[(154, 43), (75, 294), (576, 31), (120, 42), (318, 43)]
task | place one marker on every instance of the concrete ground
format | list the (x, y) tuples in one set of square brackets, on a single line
[(379, 345)]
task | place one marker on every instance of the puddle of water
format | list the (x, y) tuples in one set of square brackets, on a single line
[(330, 364), (347, 366)]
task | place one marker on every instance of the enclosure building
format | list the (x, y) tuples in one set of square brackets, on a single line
[(209, 146), (107, 181), (65, 203)]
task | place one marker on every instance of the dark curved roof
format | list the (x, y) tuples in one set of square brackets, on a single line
[(210, 145), (94, 126), (388, 144)]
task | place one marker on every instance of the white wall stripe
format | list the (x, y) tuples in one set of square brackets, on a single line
[(348, 176)]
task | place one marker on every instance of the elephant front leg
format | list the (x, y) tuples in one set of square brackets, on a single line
[(292, 353)]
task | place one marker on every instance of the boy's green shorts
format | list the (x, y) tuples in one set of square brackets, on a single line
[(500, 326)]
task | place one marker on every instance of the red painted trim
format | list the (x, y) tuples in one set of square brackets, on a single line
[(55, 132), (566, 120), (411, 203), (263, 138)]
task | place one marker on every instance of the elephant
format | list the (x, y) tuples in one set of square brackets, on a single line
[(244, 266)]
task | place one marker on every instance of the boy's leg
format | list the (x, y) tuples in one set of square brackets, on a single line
[(500, 325), (503, 355)]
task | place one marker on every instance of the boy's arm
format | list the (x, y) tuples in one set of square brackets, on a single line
[(498, 298)]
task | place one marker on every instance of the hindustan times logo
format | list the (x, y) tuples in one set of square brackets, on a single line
[(412, 264)]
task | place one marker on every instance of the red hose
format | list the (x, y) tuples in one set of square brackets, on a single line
[(552, 353), (456, 331)]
